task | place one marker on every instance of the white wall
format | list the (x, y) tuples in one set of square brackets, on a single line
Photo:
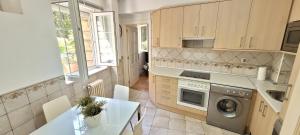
[(133, 6), (28, 46), (136, 18)]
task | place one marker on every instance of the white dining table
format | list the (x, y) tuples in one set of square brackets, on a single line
[(114, 118)]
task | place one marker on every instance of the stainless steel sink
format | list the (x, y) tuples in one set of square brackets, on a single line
[(277, 95)]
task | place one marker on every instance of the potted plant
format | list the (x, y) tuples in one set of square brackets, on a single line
[(91, 110), (83, 102)]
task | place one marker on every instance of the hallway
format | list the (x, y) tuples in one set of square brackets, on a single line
[(142, 83)]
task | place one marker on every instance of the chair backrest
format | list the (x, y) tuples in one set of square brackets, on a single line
[(138, 128), (96, 88), (121, 92), (56, 107)]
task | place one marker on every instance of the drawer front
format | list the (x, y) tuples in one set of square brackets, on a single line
[(166, 100)]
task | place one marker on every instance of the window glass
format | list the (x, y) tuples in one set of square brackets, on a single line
[(65, 38)]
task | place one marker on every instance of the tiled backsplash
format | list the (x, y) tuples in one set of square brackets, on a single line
[(21, 110), (217, 60), (211, 60)]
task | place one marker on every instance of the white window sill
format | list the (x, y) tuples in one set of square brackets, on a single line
[(96, 70)]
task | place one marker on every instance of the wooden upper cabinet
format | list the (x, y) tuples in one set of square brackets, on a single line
[(171, 27), (267, 24), (232, 23), (191, 21), (295, 14), (200, 21), (208, 20), (155, 23)]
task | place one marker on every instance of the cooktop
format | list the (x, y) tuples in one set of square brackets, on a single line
[(193, 74)]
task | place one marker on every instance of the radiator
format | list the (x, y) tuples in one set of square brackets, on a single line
[(96, 88)]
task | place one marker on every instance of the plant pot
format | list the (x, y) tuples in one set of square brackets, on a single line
[(93, 121)]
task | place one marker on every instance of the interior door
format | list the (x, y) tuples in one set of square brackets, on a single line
[(133, 55), (232, 23)]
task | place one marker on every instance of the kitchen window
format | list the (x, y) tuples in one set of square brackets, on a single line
[(86, 38)]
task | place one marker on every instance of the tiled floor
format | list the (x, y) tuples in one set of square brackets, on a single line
[(162, 122)]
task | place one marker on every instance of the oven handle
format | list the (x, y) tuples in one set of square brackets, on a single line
[(200, 90)]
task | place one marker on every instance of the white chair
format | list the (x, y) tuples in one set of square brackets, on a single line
[(56, 107), (121, 92), (138, 127)]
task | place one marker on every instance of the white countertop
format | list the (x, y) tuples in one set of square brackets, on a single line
[(230, 80)]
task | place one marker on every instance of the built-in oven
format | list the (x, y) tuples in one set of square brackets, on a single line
[(193, 93), (292, 37)]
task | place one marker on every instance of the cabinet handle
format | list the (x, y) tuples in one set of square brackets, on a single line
[(264, 111), (180, 40), (241, 41), (287, 93), (203, 30), (260, 106), (250, 42), (196, 31)]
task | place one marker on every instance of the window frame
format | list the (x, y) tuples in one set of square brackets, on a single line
[(83, 69)]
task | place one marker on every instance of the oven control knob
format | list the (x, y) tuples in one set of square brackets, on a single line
[(228, 91), (242, 93), (233, 92)]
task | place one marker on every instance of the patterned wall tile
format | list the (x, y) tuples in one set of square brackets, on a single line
[(52, 86), (15, 100), (37, 106), (4, 124), (9, 133), (39, 120), (36, 92), (20, 116), (187, 57), (25, 129)]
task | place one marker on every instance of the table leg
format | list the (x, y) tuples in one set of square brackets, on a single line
[(139, 113)]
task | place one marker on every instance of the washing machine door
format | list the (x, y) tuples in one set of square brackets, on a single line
[(229, 107)]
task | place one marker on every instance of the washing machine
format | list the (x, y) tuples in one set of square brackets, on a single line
[(229, 107)]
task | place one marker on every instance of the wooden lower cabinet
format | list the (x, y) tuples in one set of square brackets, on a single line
[(152, 87), (263, 117), (166, 97)]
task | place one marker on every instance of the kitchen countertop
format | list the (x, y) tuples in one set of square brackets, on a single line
[(230, 80)]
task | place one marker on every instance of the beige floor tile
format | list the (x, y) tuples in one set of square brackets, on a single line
[(162, 113), (177, 116), (150, 104), (194, 127), (176, 132), (212, 130), (158, 131), (148, 120), (161, 122), (177, 124), (226, 132), (151, 111), (192, 119)]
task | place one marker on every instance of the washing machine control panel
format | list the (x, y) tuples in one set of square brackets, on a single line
[(239, 93)]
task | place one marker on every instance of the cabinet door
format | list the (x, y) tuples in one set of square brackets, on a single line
[(269, 118), (155, 23), (152, 87), (295, 13), (171, 27), (256, 119), (232, 23), (191, 21), (267, 24), (208, 20)]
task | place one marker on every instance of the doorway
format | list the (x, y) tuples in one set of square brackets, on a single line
[(136, 50)]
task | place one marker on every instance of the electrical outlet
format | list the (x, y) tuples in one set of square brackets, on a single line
[(244, 60)]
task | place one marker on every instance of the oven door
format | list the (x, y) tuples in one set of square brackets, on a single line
[(193, 98), (291, 39)]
